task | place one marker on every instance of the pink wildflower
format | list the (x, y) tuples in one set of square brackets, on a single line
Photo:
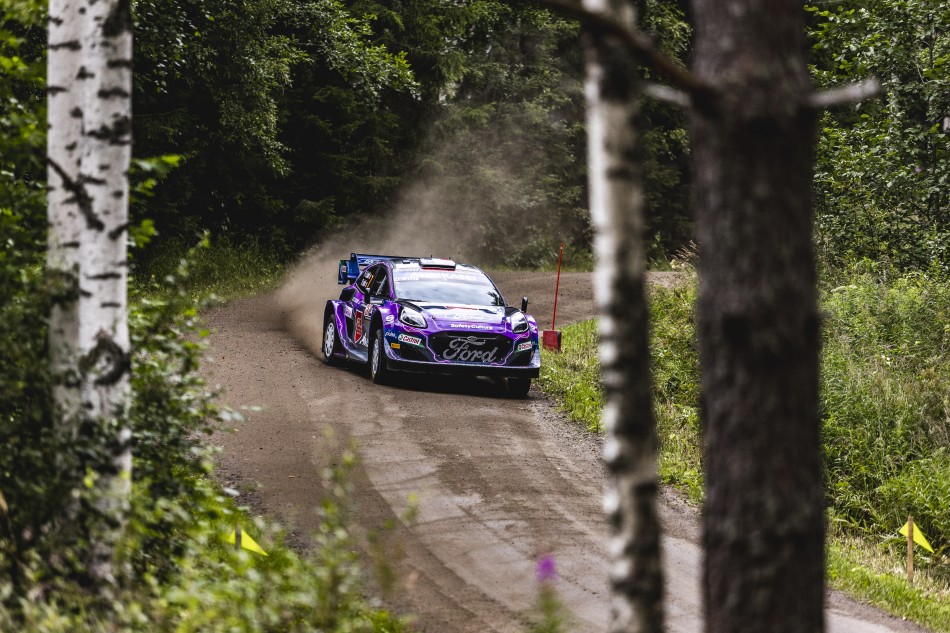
[(546, 570)]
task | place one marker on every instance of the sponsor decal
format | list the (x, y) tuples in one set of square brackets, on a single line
[(390, 335), (358, 328), (348, 311), (412, 340), (395, 345), (390, 318), (363, 331), (470, 326), (470, 315), (525, 346), (470, 350)]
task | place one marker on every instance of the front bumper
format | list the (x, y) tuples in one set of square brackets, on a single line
[(494, 371)]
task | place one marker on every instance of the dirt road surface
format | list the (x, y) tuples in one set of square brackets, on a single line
[(496, 483)]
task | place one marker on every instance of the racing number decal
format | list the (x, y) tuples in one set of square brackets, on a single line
[(361, 334), (358, 323)]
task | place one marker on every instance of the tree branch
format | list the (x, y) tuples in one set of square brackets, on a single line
[(81, 197), (665, 94), (844, 95), (636, 43)]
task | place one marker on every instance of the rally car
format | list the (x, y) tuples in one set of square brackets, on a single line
[(417, 314)]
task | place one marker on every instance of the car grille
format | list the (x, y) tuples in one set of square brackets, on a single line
[(410, 353), (470, 348)]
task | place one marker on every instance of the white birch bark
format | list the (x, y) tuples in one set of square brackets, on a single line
[(103, 326), (64, 152), (616, 201), (88, 212)]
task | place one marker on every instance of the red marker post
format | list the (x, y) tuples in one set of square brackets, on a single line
[(551, 339)]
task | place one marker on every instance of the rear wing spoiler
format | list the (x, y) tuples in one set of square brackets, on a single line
[(351, 268)]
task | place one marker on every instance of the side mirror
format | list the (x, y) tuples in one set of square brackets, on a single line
[(524, 304)]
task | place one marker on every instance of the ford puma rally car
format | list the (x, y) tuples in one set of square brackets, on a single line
[(428, 315)]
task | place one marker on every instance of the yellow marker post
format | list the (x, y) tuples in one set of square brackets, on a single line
[(918, 536), (241, 539)]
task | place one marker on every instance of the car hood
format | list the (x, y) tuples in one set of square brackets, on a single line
[(465, 317)]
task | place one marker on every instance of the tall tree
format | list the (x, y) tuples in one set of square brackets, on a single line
[(758, 324), (89, 150), (752, 116), (616, 202)]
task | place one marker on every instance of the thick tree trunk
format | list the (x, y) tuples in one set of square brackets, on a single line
[(88, 214), (616, 201), (758, 320)]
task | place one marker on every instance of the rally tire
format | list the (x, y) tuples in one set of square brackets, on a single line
[(331, 342), (518, 387), (378, 371)]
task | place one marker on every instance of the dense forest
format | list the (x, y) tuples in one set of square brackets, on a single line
[(268, 125), (277, 121)]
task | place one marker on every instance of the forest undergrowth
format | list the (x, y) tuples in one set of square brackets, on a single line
[(885, 415), (176, 570)]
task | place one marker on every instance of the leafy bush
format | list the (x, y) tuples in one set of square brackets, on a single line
[(676, 387), (221, 267), (885, 396), (177, 574), (885, 403), (572, 377)]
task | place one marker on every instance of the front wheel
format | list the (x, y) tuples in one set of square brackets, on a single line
[(331, 342), (518, 387), (378, 371)]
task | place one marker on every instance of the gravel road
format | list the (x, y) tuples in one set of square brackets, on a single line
[(496, 484)]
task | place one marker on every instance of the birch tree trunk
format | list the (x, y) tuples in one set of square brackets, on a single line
[(758, 320), (616, 201), (88, 213), (64, 153)]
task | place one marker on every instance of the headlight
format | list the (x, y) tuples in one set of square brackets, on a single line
[(411, 316), (519, 323)]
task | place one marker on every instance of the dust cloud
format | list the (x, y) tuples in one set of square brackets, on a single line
[(421, 227), (483, 197)]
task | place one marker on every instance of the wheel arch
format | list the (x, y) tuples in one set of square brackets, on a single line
[(376, 323)]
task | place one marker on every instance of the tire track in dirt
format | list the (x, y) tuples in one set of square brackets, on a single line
[(498, 482)]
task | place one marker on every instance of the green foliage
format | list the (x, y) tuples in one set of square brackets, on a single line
[(675, 365), (207, 77), (884, 409), (176, 572), (295, 115), (552, 617), (884, 403), (240, 91), (882, 167), (217, 269), (885, 385), (22, 133), (665, 153), (572, 377), (868, 573)]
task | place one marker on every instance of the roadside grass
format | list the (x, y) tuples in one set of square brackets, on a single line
[(874, 573), (885, 407), (572, 377), (210, 269)]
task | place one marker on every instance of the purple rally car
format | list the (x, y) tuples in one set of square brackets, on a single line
[(428, 315)]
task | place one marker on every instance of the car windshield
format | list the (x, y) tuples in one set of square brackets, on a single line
[(447, 288)]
